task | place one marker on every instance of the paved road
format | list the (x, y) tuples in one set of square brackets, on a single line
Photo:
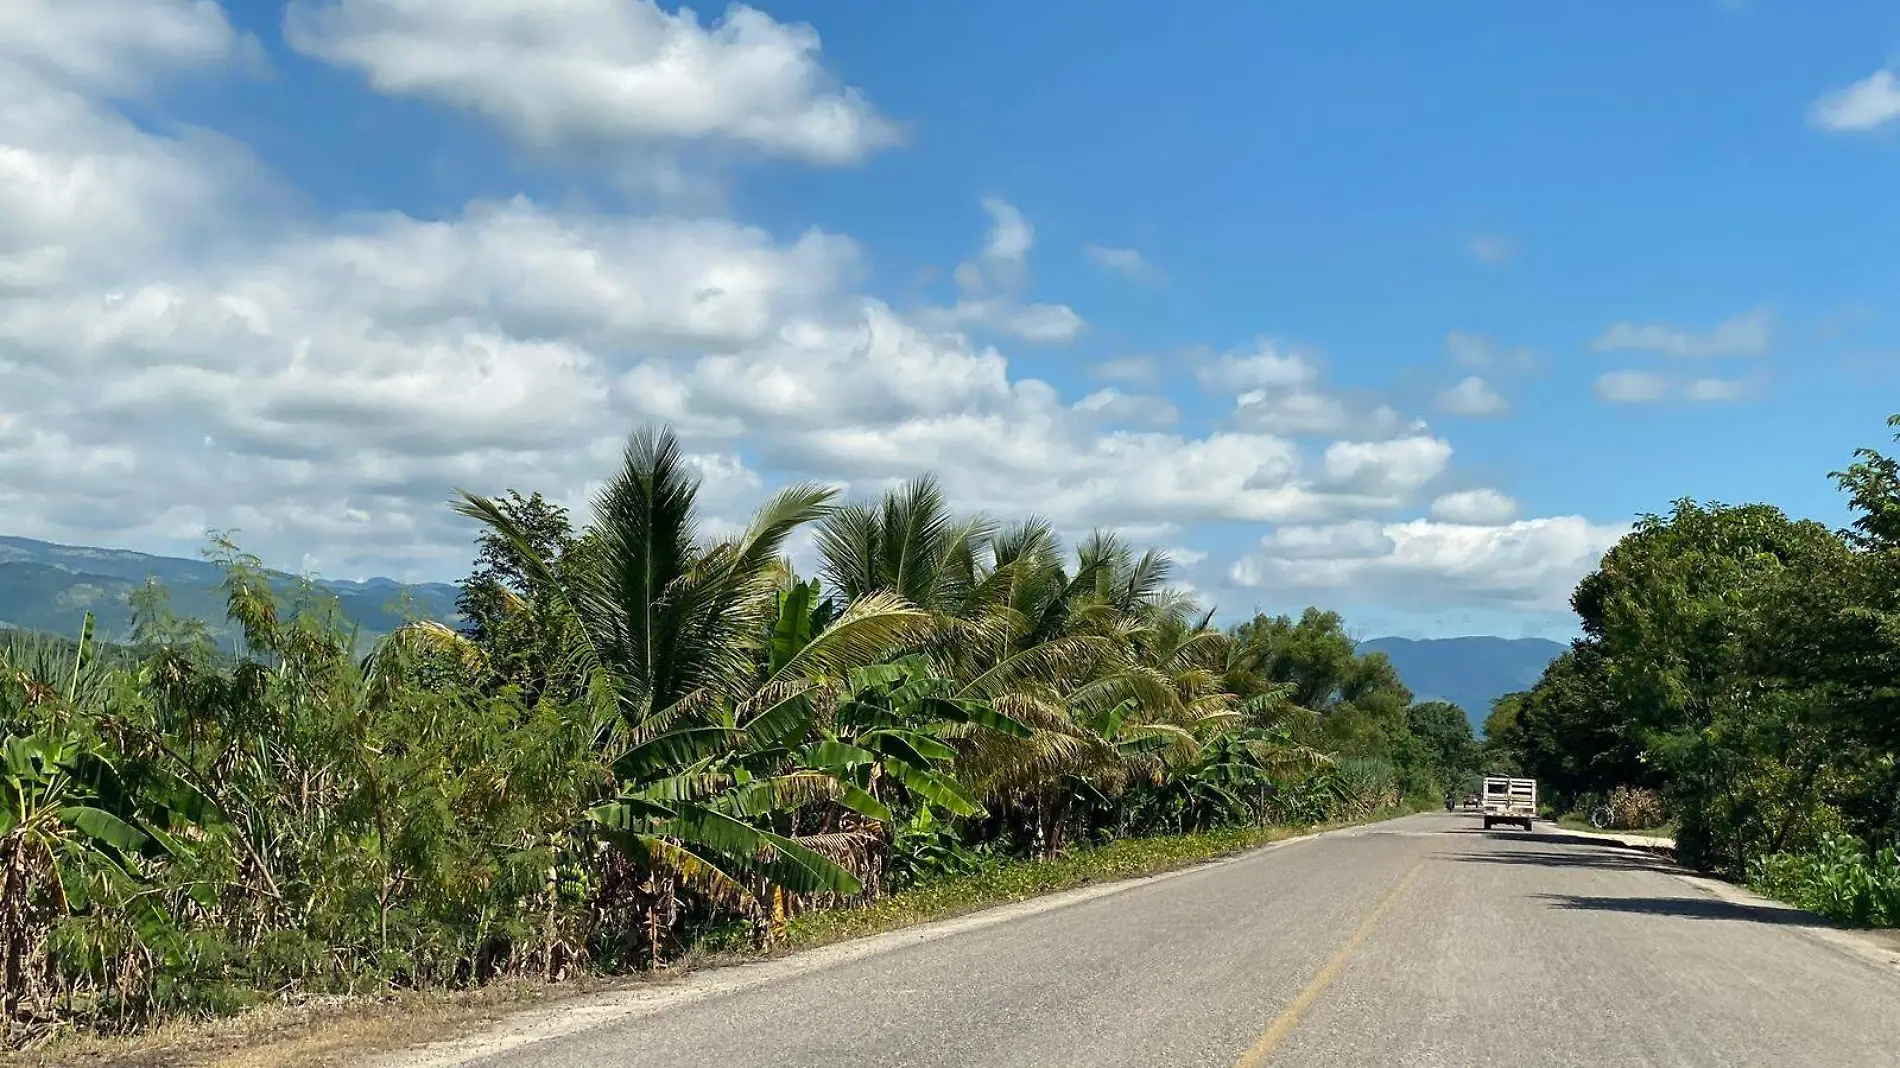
[(1420, 942)]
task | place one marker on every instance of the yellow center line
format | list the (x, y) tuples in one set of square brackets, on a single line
[(1280, 1028)]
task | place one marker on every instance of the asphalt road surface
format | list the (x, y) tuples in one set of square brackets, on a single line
[(1420, 942)]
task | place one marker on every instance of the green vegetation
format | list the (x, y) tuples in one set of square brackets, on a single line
[(1837, 878), (1017, 880), (1742, 664), (647, 739)]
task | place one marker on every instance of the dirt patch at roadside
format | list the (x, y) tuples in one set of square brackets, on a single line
[(319, 1033)]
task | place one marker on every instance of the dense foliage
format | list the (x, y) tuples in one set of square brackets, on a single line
[(1743, 663), (642, 736)]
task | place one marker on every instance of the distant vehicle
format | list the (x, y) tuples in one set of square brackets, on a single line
[(1509, 801)]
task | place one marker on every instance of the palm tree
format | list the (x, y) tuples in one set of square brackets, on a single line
[(909, 544), (701, 696)]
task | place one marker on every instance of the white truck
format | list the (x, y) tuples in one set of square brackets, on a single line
[(1509, 801)]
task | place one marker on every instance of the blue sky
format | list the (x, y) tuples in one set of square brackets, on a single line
[(1405, 309)]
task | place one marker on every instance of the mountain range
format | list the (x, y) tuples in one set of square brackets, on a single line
[(1469, 672), (49, 587)]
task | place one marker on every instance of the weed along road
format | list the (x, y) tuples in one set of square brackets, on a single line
[(1417, 942)]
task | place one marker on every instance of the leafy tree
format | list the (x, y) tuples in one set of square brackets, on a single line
[(506, 607), (1443, 733), (1358, 700)]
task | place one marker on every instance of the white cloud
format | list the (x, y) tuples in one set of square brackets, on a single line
[(1645, 387), (1112, 405), (1424, 565), (1046, 323), (1493, 249), (1750, 334), (1479, 507), (1126, 262), (1470, 350), (591, 73), (1631, 387), (1282, 392), (1472, 396), (1264, 366), (1391, 469), (1317, 413), (113, 45), (992, 285), (1478, 351), (1360, 539), (82, 190), (1010, 237), (1717, 390), (173, 359), (1871, 102), (1185, 556), (1139, 370)]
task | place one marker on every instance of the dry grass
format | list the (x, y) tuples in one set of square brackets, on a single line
[(319, 1033)]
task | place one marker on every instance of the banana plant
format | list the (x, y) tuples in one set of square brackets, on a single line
[(78, 831)]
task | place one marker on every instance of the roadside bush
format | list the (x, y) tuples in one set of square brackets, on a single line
[(1839, 880), (1636, 809)]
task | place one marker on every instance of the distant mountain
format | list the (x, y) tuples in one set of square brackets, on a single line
[(51, 587), (1468, 672)]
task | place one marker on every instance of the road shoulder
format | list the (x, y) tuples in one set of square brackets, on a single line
[(1879, 948), (575, 1015)]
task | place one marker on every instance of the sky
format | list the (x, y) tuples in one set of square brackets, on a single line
[(1406, 310)]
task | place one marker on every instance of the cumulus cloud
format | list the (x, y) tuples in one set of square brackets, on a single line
[(1472, 396), (1044, 323), (1317, 413), (1867, 104), (82, 189), (1264, 365), (172, 359), (1750, 334), (1126, 262), (1631, 387), (1138, 370), (1005, 259), (1281, 391), (992, 285), (1646, 387), (114, 45), (1391, 469), (1112, 405), (591, 73), (1478, 507), (1424, 565)]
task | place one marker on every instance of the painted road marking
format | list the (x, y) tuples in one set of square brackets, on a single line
[(1280, 1028)]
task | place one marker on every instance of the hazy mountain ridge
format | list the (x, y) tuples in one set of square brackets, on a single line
[(50, 587), (1470, 672)]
